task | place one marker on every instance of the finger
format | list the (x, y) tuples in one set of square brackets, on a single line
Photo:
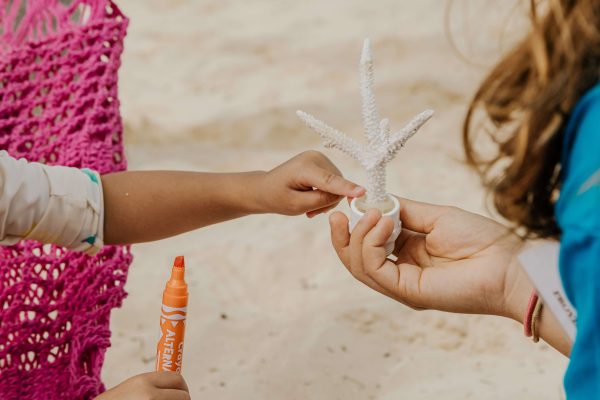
[(329, 180), (402, 280), (168, 380), (172, 394), (323, 210), (316, 199), (373, 246), (368, 221), (388, 226), (340, 236), (420, 217)]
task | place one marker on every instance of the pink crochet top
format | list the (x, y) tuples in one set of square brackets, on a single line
[(59, 105)]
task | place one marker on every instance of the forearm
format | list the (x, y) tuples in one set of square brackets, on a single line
[(150, 205), (548, 327)]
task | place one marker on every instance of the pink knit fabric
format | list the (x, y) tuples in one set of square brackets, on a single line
[(58, 105)]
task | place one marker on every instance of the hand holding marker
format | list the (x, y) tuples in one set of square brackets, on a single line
[(169, 351)]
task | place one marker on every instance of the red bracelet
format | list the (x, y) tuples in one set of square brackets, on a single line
[(533, 299)]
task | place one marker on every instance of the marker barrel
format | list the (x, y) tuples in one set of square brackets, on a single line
[(169, 351)]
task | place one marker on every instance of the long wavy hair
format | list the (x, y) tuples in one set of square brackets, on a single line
[(523, 104)]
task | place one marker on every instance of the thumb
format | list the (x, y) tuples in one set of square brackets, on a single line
[(332, 182), (420, 217)]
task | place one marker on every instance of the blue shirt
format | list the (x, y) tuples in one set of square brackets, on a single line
[(578, 215)]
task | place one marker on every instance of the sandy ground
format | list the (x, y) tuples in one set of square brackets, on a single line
[(213, 85)]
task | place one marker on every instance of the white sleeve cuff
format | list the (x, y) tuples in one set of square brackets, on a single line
[(74, 217)]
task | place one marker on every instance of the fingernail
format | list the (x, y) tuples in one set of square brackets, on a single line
[(357, 191)]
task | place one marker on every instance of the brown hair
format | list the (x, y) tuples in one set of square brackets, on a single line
[(524, 101)]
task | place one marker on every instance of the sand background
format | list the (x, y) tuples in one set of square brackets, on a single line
[(212, 85)]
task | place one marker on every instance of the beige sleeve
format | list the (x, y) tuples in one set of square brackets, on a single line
[(50, 204)]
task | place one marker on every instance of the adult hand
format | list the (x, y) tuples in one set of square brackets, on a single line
[(447, 259)]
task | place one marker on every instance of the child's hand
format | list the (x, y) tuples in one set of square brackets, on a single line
[(308, 183), (448, 259), (150, 386)]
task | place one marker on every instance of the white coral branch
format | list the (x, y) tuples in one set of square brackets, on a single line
[(384, 129), (399, 139), (381, 147), (369, 107), (333, 138)]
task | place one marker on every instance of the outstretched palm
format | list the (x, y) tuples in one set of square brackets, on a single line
[(447, 259)]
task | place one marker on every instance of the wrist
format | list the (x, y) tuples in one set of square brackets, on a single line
[(252, 192), (517, 291)]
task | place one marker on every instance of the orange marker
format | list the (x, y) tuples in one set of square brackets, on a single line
[(169, 351)]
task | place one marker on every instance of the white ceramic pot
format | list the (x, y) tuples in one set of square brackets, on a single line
[(394, 213)]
